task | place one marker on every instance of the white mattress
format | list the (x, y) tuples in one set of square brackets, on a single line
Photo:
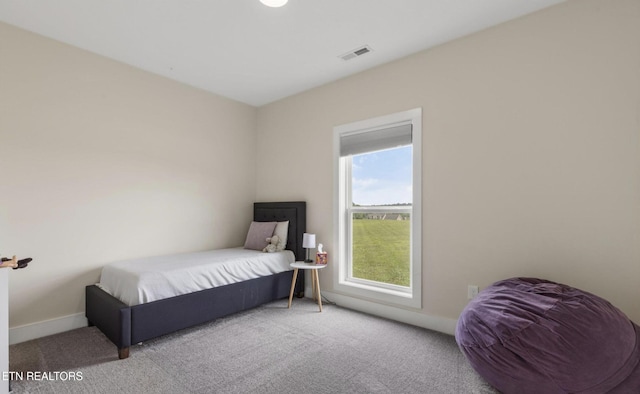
[(154, 278)]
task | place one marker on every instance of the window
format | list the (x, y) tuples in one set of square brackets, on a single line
[(377, 208)]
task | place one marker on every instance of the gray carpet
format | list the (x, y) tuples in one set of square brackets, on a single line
[(270, 349)]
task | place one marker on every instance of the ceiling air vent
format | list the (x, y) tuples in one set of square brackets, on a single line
[(356, 52)]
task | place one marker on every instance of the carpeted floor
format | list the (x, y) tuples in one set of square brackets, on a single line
[(270, 349)]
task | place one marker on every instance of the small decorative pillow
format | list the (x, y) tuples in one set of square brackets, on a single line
[(258, 234), (282, 230)]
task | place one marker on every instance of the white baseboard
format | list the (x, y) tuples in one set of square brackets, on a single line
[(71, 322), (436, 323), (45, 328)]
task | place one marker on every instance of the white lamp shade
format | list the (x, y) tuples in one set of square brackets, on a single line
[(308, 240), (274, 3)]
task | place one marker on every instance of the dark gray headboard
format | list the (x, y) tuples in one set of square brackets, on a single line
[(295, 212)]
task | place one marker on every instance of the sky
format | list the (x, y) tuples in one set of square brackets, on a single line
[(382, 177)]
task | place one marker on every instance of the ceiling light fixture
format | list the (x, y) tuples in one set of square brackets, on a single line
[(274, 3)]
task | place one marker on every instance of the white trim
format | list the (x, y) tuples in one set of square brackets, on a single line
[(46, 327), (380, 121), (444, 325), (340, 282), (435, 323), (4, 324)]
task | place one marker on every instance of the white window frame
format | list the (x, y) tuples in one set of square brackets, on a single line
[(343, 282)]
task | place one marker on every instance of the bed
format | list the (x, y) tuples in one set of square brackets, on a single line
[(127, 324)]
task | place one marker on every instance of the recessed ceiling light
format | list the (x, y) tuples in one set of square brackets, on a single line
[(274, 3)]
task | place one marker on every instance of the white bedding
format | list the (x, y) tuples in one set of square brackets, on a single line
[(154, 278)]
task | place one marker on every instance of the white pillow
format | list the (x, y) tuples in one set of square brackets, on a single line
[(282, 229)]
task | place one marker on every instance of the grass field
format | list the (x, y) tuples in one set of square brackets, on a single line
[(381, 250)]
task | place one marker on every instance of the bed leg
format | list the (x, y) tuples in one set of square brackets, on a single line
[(123, 353)]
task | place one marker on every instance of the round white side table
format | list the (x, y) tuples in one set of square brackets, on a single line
[(315, 280)]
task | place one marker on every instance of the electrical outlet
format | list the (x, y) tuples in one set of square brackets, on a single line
[(472, 291)]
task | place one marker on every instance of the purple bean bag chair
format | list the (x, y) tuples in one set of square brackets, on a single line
[(525, 335)]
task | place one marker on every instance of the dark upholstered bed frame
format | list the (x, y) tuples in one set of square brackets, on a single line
[(126, 325)]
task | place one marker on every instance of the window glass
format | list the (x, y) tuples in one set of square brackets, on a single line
[(382, 178), (381, 227)]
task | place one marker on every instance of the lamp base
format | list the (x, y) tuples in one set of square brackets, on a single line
[(308, 259)]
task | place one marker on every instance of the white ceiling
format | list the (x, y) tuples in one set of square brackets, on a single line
[(246, 51)]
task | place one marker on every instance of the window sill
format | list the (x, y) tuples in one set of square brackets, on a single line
[(380, 294)]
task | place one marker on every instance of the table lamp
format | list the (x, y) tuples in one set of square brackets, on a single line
[(308, 242)]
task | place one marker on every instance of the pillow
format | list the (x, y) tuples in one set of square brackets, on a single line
[(258, 234), (282, 229)]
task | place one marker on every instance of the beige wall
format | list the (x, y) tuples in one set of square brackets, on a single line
[(100, 162), (531, 152)]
